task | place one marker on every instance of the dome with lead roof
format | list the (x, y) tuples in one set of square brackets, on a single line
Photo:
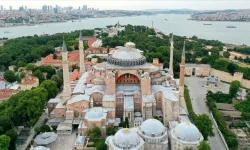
[(187, 132), (127, 56), (127, 138), (152, 127)]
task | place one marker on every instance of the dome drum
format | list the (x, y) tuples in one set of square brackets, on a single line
[(127, 62)]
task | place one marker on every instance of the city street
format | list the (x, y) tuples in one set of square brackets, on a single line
[(197, 91)]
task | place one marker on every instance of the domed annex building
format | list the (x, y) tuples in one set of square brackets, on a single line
[(126, 86)]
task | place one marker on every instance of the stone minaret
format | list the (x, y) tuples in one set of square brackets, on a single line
[(81, 54), (66, 83), (182, 74), (171, 72)]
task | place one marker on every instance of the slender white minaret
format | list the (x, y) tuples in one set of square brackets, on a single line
[(66, 83), (182, 77), (81, 54), (171, 72)]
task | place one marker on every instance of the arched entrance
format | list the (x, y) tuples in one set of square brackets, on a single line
[(193, 72), (127, 79)]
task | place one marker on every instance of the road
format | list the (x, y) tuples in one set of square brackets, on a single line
[(197, 92)]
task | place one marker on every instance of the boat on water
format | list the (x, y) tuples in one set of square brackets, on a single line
[(207, 24), (166, 19), (231, 26), (6, 31)]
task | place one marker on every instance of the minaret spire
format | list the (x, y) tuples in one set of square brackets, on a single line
[(65, 64), (182, 77), (81, 54), (171, 72)]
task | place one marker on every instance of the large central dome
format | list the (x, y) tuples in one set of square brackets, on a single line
[(127, 56)]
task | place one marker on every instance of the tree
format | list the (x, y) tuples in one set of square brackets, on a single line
[(110, 130), (226, 54), (31, 67), (6, 123), (234, 88), (45, 128), (204, 146), (51, 88), (94, 133), (40, 75), (221, 64), (4, 142), (204, 124), (13, 137), (101, 145), (5, 59), (232, 68), (56, 78), (9, 76)]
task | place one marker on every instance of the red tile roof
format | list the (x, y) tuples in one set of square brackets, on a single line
[(74, 75), (29, 80), (97, 48), (72, 56), (6, 93), (90, 39)]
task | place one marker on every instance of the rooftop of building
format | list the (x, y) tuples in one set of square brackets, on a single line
[(29, 80)]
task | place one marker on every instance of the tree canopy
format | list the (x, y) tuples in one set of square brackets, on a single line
[(204, 146)]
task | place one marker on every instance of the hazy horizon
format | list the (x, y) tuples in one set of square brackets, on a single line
[(133, 5)]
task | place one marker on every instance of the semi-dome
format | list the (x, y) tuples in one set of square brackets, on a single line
[(127, 56), (152, 127), (187, 132), (94, 114), (126, 138)]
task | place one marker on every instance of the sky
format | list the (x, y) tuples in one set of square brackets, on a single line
[(134, 4)]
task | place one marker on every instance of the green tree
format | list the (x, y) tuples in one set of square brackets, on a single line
[(204, 146), (51, 87), (6, 123), (13, 137), (4, 142), (45, 128), (56, 78), (204, 124), (40, 75), (221, 64), (94, 133), (101, 145), (234, 88), (9, 76), (226, 54), (110, 130), (31, 67), (5, 59)]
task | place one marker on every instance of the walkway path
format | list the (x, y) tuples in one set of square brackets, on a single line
[(25, 146), (198, 99)]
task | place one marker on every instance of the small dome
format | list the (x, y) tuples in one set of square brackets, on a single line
[(188, 132), (126, 138), (152, 127), (130, 45)]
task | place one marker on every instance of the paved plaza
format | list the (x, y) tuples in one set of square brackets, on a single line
[(198, 90), (64, 142)]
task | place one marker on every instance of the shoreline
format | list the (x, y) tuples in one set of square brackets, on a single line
[(218, 21)]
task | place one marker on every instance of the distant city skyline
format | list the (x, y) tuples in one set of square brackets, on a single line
[(133, 5)]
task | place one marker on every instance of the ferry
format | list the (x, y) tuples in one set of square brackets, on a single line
[(231, 26), (207, 24), (6, 31)]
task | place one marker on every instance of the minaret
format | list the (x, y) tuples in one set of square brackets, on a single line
[(181, 81), (171, 72), (81, 54), (66, 83)]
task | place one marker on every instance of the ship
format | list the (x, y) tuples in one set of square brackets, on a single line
[(6, 31), (231, 26), (207, 24)]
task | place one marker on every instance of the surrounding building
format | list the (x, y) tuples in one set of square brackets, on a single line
[(29, 82), (125, 86)]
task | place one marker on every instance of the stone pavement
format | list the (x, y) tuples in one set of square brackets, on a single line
[(198, 92)]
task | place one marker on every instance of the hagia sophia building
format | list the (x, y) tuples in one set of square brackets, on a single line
[(126, 86)]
